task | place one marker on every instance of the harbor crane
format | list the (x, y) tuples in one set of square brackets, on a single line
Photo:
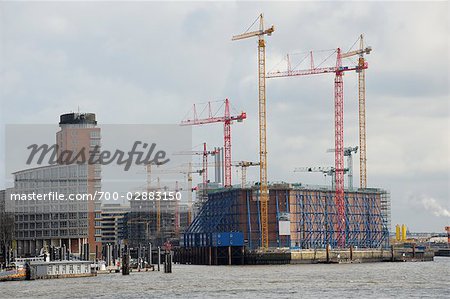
[(338, 70), (264, 189)]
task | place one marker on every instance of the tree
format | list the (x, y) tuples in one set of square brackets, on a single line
[(6, 234)]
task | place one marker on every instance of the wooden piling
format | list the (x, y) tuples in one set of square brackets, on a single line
[(328, 253), (125, 261), (159, 257), (209, 257)]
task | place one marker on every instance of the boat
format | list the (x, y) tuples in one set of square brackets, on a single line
[(12, 273)]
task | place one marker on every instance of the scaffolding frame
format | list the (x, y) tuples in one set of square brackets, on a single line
[(314, 220), (312, 213)]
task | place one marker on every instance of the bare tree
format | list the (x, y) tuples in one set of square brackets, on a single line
[(6, 234)]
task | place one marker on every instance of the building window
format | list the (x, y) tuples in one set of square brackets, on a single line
[(95, 142), (95, 134)]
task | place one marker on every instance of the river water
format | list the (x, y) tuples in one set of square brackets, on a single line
[(375, 280)]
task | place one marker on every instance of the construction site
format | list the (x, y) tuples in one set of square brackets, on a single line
[(271, 223)]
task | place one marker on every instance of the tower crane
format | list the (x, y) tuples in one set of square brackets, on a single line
[(243, 165), (189, 179), (348, 153), (158, 210), (189, 173), (331, 171), (204, 154), (338, 70), (227, 119), (362, 109), (264, 190), (177, 212)]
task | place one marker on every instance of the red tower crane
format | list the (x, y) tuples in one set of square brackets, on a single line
[(227, 119), (338, 70)]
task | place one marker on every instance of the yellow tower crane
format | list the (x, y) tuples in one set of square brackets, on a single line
[(264, 190), (362, 109)]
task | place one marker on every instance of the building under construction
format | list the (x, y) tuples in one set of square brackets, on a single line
[(300, 217), (146, 225)]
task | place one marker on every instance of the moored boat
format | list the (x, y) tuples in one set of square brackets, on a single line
[(12, 274)]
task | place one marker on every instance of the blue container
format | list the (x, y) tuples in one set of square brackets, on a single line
[(236, 239), (223, 239)]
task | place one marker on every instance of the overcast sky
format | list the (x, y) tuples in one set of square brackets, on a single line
[(148, 63)]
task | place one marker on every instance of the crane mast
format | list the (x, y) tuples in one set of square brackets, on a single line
[(264, 190), (362, 108), (177, 212), (189, 180), (339, 146), (158, 210), (362, 119), (264, 196)]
